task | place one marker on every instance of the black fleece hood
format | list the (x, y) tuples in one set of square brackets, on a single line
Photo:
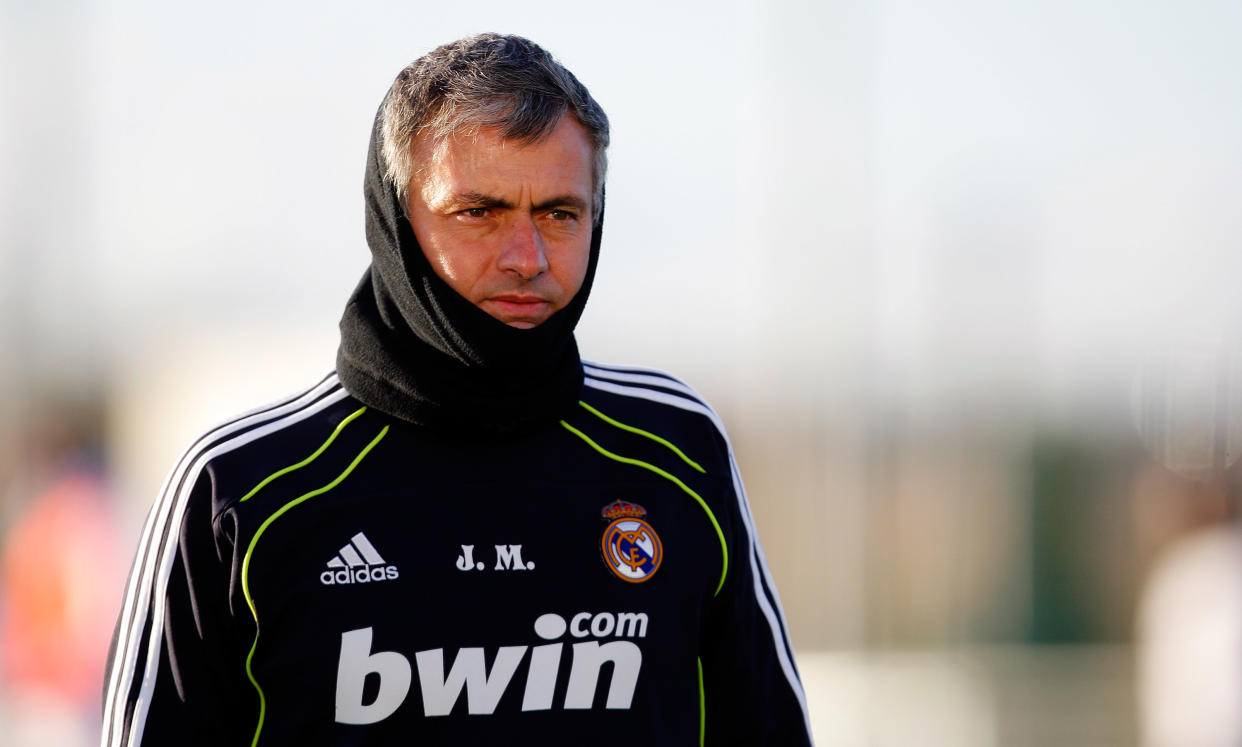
[(414, 348)]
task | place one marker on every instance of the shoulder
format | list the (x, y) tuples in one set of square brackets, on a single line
[(637, 385), (239, 452), (652, 398)]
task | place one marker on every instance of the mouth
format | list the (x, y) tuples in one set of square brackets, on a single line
[(518, 310)]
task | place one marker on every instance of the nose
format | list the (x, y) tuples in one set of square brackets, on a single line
[(523, 251)]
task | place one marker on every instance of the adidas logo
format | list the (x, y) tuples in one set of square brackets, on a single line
[(357, 563)]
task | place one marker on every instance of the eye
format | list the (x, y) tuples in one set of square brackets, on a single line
[(477, 212), (561, 215)]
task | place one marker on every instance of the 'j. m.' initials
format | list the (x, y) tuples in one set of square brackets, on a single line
[(508, 558)]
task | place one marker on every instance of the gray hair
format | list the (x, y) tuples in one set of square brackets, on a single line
[(488, 80)]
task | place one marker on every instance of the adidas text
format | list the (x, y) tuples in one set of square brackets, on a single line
[(358, 575), (358, 562)]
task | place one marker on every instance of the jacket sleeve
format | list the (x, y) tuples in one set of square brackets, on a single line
[(751, 691), (176, 673)]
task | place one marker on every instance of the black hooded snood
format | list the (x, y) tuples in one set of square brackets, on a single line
[(414, 348)]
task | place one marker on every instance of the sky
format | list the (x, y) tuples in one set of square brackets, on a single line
[(909, 199)]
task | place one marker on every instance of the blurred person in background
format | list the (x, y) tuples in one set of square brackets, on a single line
[(1188, 640), (567, 543), (59, 576)]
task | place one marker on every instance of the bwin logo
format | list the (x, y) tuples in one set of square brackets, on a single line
[(361, 564), (484, 689)]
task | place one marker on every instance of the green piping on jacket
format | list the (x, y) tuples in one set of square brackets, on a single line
[(308, 459), (642, 432), (255, 540), (702, 705)]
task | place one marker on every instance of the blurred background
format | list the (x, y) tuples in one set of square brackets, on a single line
[(958, 275)]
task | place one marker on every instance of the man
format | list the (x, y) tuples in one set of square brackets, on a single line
[(465, 535)]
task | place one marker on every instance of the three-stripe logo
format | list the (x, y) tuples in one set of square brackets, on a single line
[(358, 562)]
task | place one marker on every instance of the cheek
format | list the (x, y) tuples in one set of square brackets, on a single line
[(452, 262), (446, 266), (575, 266)]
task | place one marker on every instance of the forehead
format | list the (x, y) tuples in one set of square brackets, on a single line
[(475, 157)]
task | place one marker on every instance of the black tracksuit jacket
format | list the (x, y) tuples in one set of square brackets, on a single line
[(320, 573)]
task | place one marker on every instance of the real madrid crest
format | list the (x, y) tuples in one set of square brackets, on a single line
[(631, 548)]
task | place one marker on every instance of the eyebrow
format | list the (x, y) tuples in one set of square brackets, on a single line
[(479, 199)]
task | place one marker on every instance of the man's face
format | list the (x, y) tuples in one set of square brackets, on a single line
[(507, 225)]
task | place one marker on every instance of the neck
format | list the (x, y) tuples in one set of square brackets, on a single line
[(383, 363)]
